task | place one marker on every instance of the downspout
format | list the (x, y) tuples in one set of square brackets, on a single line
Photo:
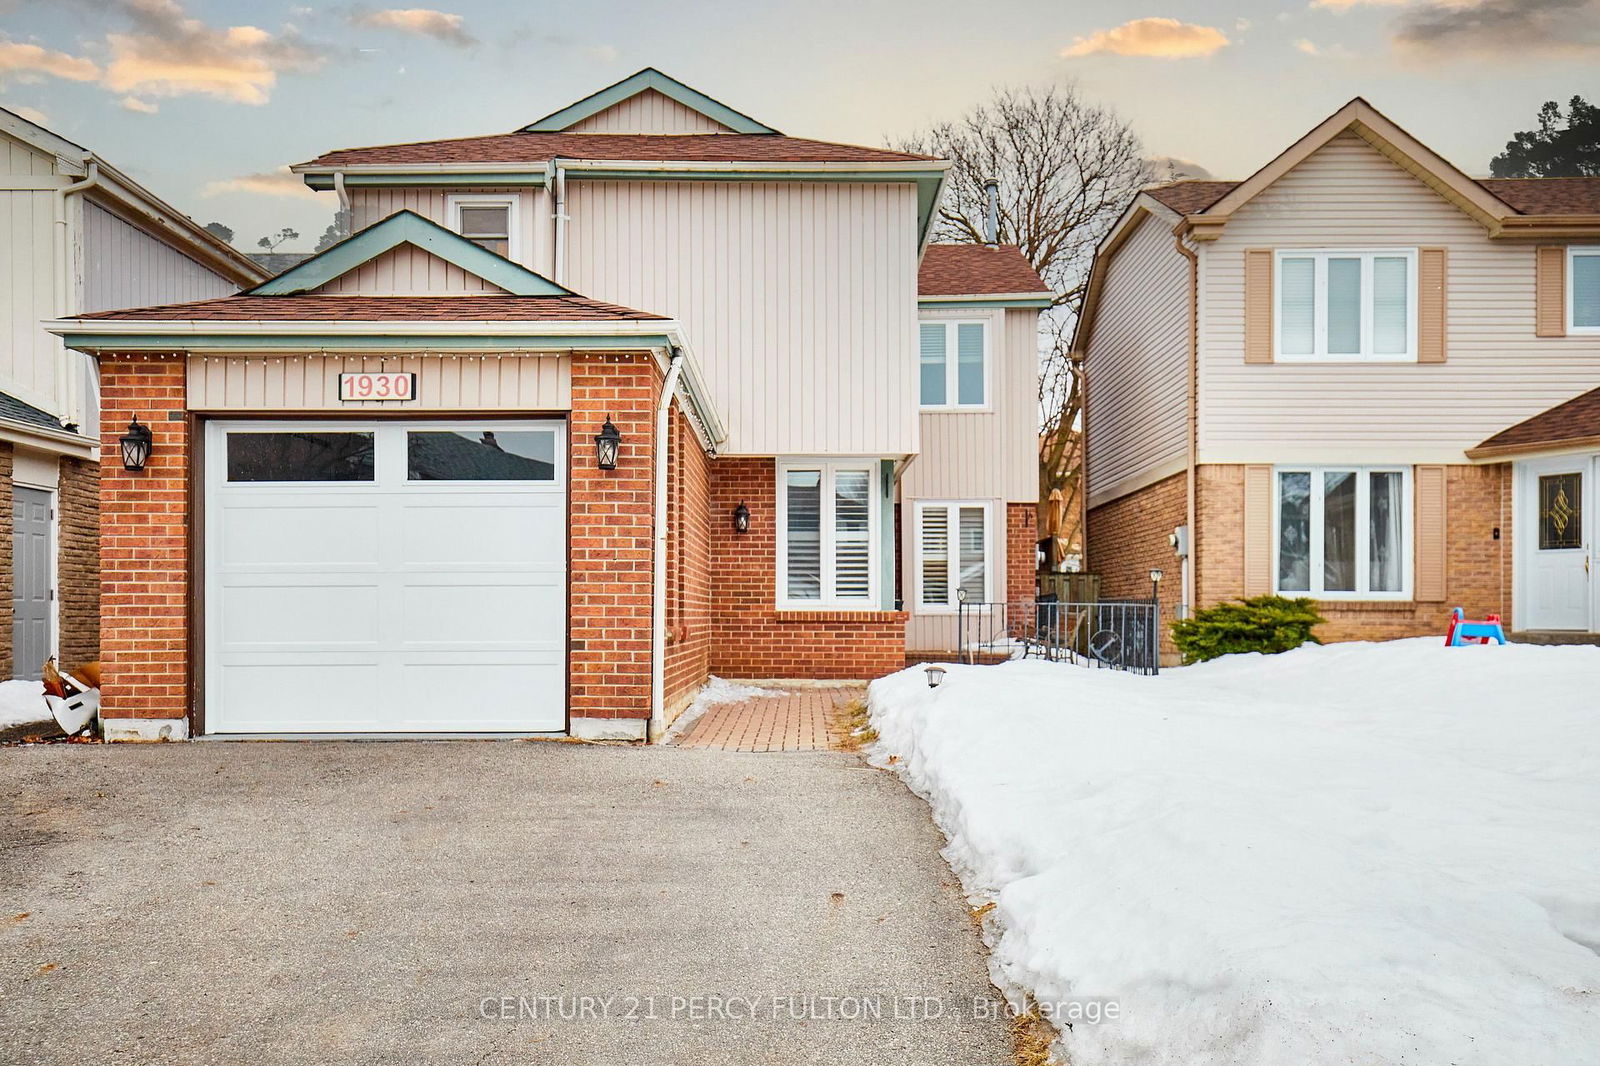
[(346, 217), (63, 278), (558, 253), (658, 612), (1190, 570)]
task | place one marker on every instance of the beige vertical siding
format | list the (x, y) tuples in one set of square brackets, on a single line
[(993, 453), (799, 300), (648, 112), (1137, 365), (27, 282), (409, 271), (369, 205), (519, 383), (1498, 372), (123, 266)]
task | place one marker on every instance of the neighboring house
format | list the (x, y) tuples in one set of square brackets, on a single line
[(76, 235), (452, 550), (1305, 379), (275, 263)]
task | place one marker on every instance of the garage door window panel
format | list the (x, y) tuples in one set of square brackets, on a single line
[(298, 456), (481, 455)]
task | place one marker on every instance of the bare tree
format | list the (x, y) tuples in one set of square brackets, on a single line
[(1066, 169)]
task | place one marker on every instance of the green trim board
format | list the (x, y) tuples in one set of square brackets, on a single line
[(400, 176), (303, 343), (633, 85), (887, 541), (408, 227)]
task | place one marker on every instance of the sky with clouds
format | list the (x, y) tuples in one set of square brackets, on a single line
[(206, 102)]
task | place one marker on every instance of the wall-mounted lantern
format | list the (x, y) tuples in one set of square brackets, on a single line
[(1155, 585), (935, 674), (741, 519), (607, 443), (136, 445)]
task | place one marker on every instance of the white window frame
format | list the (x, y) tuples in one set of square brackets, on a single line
[(954, 560), (952, 333), (828, 600), (1319, 328), (1363, 554), (511, 201), (1575, 251)]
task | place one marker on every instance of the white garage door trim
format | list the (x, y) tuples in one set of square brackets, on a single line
[(400, 606)]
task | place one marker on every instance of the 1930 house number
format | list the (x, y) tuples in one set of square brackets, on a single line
[(365, 385)]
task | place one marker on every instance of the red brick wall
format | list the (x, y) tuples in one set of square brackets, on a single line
[(1128, 538), (144, 578), (1477, 566), (1022, 552), (688, 566), (79, 560), (750, 637), (612, 583)]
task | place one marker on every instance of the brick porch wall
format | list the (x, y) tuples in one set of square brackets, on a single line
[(612, 582), (1022, 552), (78, 562), (688, 566), (144, 548), (750, 637), (1477, 566), (1127, 538)]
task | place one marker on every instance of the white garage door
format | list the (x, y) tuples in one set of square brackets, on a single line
[(385, 577)]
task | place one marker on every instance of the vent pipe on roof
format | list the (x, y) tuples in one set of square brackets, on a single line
[(991, 217)]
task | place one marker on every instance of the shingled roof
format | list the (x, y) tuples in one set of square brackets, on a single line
[(527, 147), (315, 307), (976, 270), (1526, 196), (1573, 423)]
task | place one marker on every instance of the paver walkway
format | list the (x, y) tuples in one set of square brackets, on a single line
[(791, 720)]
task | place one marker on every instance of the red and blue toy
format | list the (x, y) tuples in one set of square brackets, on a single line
[(1464, 630)]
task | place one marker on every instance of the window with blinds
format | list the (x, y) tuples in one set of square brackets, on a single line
[(1583, 290), (827, 552), (954, 365), (952, 554), (1344, 306)]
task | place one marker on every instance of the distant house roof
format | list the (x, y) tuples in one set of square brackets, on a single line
[(528, 147), (275, 263), (15, 410), (318, 307), (1526, 196), (977, 270), (1575, 423)]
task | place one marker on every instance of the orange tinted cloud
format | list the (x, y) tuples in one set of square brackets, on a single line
[(418, 21), (1161, 38), (19, 58)]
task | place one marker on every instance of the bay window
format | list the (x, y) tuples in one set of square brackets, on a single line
[(1583, 290), (1344, 306), (954, 365), (1342, 532), (827, 534), (953, 554)]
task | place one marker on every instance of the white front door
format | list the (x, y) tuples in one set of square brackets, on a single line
[(1555, 538), (386, 577)]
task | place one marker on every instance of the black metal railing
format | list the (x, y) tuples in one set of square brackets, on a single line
[(1115, 634)]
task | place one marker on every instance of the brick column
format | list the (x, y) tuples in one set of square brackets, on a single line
[(611, 582), (144, 549), (1022, 552), (78, 565)]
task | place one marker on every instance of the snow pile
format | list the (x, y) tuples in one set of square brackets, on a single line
[(1374, 853), (23, 711), (716, 690)]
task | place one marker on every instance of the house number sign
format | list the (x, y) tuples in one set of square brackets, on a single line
[(366, 385)]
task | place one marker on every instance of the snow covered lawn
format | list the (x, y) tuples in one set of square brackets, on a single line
[(1359, 853)]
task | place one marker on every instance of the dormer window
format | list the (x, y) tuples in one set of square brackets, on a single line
[(487, 221)]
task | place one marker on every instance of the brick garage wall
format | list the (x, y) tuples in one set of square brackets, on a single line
[(688, 566), (144, 578), (611, 583), (1477, 566), (1128, 538), (1022, 552), (750, 637), (79, 561), (5, 558)]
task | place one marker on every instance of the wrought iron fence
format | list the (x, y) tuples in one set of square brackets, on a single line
[(1115, 634)]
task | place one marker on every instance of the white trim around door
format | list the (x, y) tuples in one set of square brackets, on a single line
[(1554, 564)]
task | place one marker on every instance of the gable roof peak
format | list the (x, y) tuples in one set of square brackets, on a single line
[(636, 83)]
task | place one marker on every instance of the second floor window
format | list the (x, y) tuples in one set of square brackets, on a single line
[(1346, 306), (954, 365), (485, 221), (1583, 290)]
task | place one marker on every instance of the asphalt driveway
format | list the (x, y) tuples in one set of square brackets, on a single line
[(477, 902)]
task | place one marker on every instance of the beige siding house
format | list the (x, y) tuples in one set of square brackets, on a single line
[(1365, 319), (76, 235)]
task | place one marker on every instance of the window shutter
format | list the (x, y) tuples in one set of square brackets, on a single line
[(1550, 291), (1430, 534), (852, 526), (1431, 268), (935, 556), (1258, 305), (1257, 530), (974, 562)]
